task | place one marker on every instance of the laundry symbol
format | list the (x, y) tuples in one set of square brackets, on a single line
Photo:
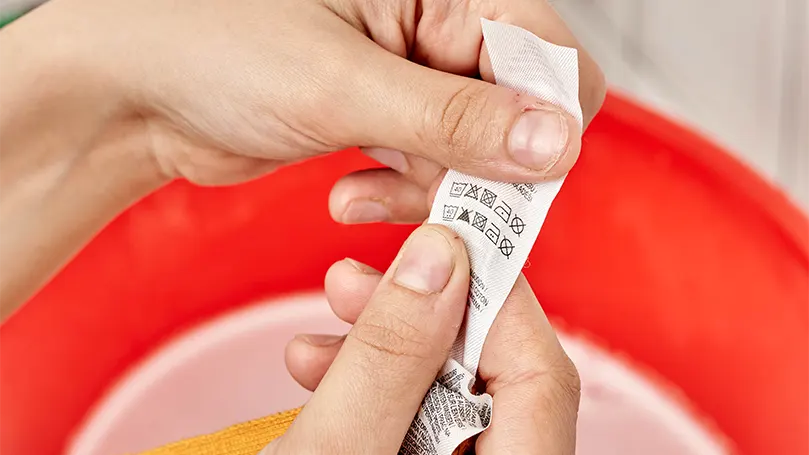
[(517, 225), (506, 247), (503, 210), (449, 212), (456, 190), (479, 222), (473, 191), (488, 198), (464, 216), (493, 233)]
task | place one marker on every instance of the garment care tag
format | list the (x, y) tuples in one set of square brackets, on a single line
[(499, 223)]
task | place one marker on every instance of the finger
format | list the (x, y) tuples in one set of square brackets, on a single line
[(348, 286), (307, 357), (391, 356), (466, 49), (418, 170), (466, 124), (538, 372), (534, 384), (541, 19), (433, 190), (377, 195)]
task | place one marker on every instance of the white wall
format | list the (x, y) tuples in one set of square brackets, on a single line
[(738, 70), (16, 6)]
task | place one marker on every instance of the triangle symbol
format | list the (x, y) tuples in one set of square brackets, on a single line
[(464, 216)]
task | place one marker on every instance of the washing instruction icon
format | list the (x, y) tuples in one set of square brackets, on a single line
[(517, 225), (488, 198), (506, 247), (473, 191), (479, 222), (493, 233), (503, 211), (449, 212), (457, 189)]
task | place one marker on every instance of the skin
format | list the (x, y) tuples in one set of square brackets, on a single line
[(105, 101), (534, 384)]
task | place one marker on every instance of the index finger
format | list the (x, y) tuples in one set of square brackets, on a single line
[(535, 386)]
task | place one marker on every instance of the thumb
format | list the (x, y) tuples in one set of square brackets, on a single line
[(391, 356), (467, 124)]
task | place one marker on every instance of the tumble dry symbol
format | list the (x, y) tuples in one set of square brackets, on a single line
[(488, 198), (517, 225), (506, 247), (457, 189), (449, 212), (479, 222)]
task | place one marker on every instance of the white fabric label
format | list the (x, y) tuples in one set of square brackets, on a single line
[(499, 223)]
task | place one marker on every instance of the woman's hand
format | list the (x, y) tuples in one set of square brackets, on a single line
[(369, 384), (106, 100), (227, 90)]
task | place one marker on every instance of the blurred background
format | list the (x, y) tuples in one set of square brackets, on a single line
[(736, 70)]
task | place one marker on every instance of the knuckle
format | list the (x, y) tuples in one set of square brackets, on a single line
[(389, 338), (460, 112)]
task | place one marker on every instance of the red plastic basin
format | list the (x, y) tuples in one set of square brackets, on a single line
[(660, 245)]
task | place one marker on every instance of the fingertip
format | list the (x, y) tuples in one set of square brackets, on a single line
[(568, 158), (351, 203), (377, 195), (457, 247), (338, 200), (543, 139), (426, 261), (348, 286), (308, 357), (434, 261)]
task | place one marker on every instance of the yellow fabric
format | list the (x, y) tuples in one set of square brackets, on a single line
[(243, 439)]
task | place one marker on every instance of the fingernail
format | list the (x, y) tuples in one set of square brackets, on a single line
[(539, 139), (362, 268), (365, 211), (320, 341), (393, 159), (426, 263)]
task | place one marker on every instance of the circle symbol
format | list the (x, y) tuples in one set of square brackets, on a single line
[(506, 247), (517, 225)]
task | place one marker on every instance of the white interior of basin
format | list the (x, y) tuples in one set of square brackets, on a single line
[(232, 369)]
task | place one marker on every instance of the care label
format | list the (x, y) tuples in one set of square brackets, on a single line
[(499, 223)]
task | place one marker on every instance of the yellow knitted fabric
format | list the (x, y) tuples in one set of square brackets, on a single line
[(250, 437), (243, 439)]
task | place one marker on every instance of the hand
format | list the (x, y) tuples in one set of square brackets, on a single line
[(106, 100), (368, 385), (225, 91)]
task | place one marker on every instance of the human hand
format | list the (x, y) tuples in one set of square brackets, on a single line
[(534, 385), (220, 92)]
